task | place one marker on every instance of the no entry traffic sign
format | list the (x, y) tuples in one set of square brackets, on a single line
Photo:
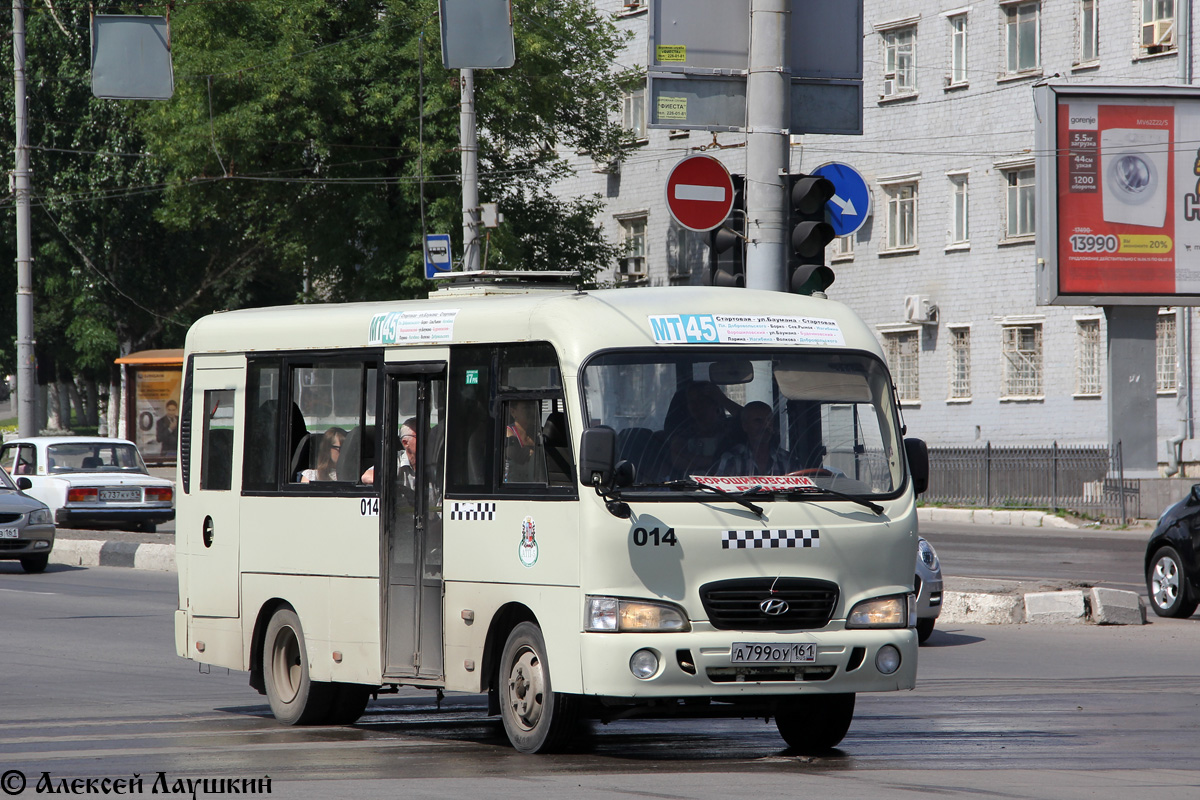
[(699, 193)]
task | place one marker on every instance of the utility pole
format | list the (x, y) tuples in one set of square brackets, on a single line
[(26, 374), (768, 116), (469, 144)]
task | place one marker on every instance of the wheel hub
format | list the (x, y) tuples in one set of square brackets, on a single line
[(1165, 582), (526, 689)]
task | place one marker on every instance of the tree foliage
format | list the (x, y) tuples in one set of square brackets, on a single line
[(298, 160)]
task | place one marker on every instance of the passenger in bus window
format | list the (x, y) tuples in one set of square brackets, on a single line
[(521, 464), (407, 473), (327, 457), (759, 453)]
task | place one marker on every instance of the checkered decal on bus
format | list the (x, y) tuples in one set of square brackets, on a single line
[(473, 511), (742, 540)]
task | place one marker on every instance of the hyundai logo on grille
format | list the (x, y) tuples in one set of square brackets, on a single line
[(773, 607)]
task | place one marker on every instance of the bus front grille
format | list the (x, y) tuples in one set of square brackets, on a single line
[(741, 604)]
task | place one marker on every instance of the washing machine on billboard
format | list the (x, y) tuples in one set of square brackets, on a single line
[(1133, 165)]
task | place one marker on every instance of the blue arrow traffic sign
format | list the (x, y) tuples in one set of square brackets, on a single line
[(437, 254), (851, 202)]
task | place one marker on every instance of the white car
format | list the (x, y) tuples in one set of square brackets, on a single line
[(90, 480)]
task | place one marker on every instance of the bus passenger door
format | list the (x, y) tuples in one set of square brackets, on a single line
[(212, 526), (414, 459)]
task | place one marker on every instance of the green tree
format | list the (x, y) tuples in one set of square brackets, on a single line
[(297, 128)]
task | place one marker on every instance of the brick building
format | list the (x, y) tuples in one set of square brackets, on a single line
[(944, 267)]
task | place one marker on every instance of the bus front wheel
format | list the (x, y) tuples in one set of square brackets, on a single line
[(296, 699), (536, 718), (816, 723)]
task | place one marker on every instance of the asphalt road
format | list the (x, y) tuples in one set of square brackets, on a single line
[(91, 688)]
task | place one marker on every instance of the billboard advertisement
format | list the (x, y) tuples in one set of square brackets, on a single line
[(1119, 202)]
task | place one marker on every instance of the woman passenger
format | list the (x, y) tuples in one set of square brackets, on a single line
[(327, 457)]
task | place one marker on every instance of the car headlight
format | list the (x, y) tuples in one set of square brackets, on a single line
[(882, 612), (927, 553), (611, 614), (40, 517)]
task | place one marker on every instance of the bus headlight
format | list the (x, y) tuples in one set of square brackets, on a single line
[(617, 614), (882, 612)]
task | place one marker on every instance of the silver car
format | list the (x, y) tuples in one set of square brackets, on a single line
[(928, 586), (26, 526)]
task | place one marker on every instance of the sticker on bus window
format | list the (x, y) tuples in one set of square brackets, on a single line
[(528, 549), (412, 327), (734, 329), (485, 512), (748, 540), (472, 377), (744, 483)]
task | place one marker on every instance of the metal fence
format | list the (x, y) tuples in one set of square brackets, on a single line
[(1087, 480)]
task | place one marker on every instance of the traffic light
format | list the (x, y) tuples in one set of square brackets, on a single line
[(727, 243), (809, 233)]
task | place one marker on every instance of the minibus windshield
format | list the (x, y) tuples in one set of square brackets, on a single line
[(766, 422)]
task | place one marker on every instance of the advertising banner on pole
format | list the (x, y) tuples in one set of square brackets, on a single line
[(1119, 203)]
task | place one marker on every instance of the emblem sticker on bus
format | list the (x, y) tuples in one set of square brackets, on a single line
[(528, 549)]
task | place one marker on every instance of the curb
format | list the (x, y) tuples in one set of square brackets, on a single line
[(990, 516), (1095, 605), (94, 553)]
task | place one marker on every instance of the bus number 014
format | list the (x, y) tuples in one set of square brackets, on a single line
[(369, 507), (642, 537)]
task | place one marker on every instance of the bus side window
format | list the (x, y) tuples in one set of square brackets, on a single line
[(216, 471), (470, 430), (259, 470)]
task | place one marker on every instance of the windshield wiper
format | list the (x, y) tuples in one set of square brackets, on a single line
[(691, 483), (817, 490)]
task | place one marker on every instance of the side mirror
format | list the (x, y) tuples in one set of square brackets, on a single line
[(1194, 495), (917, 453), (597, 456), (24, 483)]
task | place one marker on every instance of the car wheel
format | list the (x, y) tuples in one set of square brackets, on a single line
[(924, 629), (296, 699), (536, 718), (348, 703), (1167, 585), (816, 723), (34, 564)]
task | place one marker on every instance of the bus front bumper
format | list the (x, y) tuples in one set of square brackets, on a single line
[(698, 664)]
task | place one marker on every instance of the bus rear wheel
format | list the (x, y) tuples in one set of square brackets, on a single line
[(296, 699), (816, 723), (536, 718)]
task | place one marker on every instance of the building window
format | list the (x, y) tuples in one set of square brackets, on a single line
[(903, 349), (902, 215), (899, 62), (960, 225), (632, 263), (1022, 361), (1021, 190), (1164, 352), (1089, 357), (1089, 32), (843, 248), (635, 112), (960, 363), (1158, 26), (958, 50), (1021, 37)]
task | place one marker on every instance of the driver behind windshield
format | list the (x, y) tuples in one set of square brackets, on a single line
[(759, 452)]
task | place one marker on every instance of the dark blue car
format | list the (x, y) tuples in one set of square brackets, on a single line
[(1173, 559)]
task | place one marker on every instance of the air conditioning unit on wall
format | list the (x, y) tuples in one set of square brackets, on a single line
[(920, 310)]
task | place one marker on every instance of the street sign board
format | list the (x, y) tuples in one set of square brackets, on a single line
[(699, 193), (851, 202), (437, 254), (700, 35), (477, 34), (710, 103), (827, 106), (131, 57)]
